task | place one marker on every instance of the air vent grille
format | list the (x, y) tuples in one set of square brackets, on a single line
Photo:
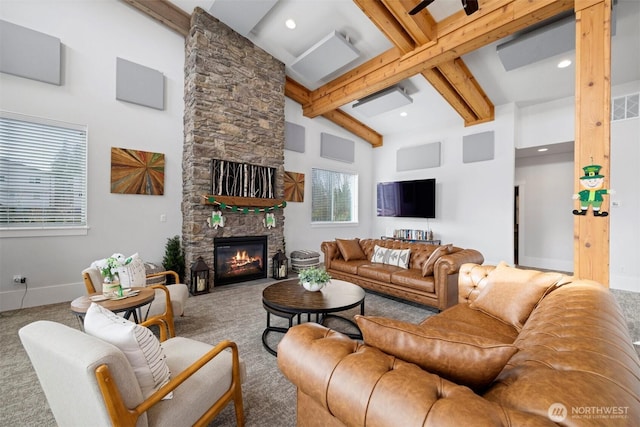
[(625, 107)]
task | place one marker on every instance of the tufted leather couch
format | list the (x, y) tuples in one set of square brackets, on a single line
[(574, 365), (438, 289)]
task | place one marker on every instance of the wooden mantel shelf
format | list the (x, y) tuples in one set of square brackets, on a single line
[(250, 202)]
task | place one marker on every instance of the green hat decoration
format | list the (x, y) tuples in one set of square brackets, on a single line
[(591, 172)]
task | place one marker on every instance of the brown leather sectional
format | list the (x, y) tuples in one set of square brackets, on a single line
[(568, 360), (438, 289)]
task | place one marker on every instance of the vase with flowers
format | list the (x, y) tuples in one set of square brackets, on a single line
[(313, 278), (109, 269)]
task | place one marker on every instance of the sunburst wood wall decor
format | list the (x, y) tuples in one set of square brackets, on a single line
[(293, 186), (137, 172)]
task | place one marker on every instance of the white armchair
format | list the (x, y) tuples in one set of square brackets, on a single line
[(167, 296), (88, 381)]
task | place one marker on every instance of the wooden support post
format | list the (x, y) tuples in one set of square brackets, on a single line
[(592, 132)]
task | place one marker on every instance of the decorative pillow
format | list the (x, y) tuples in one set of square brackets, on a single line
[(134, 273), (350, 249), (397, 257), (139, 345), (510, 294), (462, 358), (427, 267)]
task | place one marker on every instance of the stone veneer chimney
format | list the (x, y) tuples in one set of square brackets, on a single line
[(234, 110)]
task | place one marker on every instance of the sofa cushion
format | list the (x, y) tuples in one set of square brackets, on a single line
[(510, 294), (379, 272), (464, 319), (141, 348), (427, 267), (462, 358), (350, 249), (350, 267), (412, 278), (397, 257)]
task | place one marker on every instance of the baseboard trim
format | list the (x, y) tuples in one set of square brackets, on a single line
[(34, 297)]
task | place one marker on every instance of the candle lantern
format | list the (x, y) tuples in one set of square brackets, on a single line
[(280, 265), (199, 277)]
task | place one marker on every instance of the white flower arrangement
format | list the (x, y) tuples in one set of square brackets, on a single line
[(109, 266)]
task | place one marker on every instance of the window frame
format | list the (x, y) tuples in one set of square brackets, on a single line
[(354, 202), (43, 229)]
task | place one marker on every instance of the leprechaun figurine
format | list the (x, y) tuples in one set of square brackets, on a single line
[(592, 194)]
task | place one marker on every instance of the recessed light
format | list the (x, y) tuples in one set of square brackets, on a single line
[(542, 150), (290, 23), (564, 63), (403, 114)]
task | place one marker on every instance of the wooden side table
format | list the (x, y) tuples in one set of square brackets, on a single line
[(130, 305)]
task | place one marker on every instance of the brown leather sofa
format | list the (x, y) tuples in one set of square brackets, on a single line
[(567, 361), (431, 279)]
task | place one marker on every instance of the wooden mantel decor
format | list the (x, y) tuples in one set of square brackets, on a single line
[(242, 204)]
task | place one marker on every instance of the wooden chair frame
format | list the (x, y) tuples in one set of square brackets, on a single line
[(123, 416)]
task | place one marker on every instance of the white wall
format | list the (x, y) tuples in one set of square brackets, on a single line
[(546, 184), (625, 181), (93, 34), (299, 232), (474, 201)]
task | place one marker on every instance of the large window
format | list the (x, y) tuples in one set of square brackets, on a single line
[(43, 173), (334, 197)]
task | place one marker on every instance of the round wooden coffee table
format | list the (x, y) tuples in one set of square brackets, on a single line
[(290, 300), (129, 305)]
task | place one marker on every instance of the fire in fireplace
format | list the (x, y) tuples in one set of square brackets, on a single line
[(238, 259)]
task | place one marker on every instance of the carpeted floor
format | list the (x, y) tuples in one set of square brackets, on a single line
[(232, 312)]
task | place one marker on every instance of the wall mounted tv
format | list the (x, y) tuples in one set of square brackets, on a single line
[(414, 199)]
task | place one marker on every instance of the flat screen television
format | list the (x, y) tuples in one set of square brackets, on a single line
[(413, 199)]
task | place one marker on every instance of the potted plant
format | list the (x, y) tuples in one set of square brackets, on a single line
[(313, 278), (174, 258)]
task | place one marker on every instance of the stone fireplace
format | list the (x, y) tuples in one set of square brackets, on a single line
[(234, 111)]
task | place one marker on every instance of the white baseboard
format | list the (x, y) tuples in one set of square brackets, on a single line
[(546, 263), (624, 283), (15, 299)]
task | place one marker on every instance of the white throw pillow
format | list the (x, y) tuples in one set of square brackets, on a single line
[(397, 257), (139, 345), (133, 274)]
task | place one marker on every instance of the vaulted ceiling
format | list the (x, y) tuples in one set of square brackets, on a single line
[(427, 53)]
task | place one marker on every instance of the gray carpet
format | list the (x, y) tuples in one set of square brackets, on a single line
[(232, 312)]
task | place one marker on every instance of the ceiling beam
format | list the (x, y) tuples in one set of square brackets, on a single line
[(492, 22), (166, 12), (300, 94), (452, 79)]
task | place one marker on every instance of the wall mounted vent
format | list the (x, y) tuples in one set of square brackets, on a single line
[(625, 107)]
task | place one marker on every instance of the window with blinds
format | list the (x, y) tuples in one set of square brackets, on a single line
[(334, 196), (43, 173)]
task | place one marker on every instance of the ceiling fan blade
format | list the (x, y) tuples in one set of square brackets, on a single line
[(420, 6), (470, 6)]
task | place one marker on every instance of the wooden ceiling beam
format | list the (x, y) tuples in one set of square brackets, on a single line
[(503, 18), (452, 79), (166, 12), (300, 94)]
